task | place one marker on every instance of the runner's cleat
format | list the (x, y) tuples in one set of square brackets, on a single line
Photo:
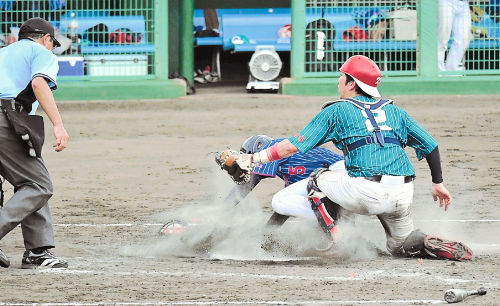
[(326, 244), (173, 227), (446, 249), (43, 260), (4, 260)]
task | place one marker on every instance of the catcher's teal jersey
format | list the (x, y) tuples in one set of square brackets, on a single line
[(343, 123)]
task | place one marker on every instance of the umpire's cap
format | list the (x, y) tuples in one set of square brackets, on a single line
[(365, 73), (38, 25)]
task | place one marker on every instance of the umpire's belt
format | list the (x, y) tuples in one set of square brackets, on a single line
[(369, 140), (393, 179)]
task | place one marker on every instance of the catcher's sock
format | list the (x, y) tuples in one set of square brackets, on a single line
[(446, 249)]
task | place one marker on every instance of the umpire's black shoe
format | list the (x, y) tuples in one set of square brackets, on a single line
[(43, 260), (4, 260)]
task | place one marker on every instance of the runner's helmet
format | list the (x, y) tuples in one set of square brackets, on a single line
[(254, 143)]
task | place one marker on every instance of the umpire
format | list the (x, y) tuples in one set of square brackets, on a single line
[(28, 71)]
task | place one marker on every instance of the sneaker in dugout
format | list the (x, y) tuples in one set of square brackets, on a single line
[(446, 249), (4, 260), (43, 260)]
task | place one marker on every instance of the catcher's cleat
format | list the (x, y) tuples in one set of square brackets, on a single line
[(446, 249), (42, 260), (4, 260), (173, 227)]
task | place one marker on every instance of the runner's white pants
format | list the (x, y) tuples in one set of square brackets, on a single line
[(292, 200), (453, 17)]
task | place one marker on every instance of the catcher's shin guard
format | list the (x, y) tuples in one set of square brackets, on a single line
[(325, 210)]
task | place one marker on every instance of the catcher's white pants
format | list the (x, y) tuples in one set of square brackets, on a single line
[(453, 17), (389, 200)]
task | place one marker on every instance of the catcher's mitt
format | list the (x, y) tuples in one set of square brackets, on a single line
[(228, 161)]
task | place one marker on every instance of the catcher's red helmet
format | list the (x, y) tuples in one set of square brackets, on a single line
[(365, 73)]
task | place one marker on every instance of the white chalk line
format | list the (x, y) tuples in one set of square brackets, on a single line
[(215, 302), (370, 275), (195, 224)]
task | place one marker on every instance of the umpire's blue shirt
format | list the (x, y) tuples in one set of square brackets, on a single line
[(344, 123), (297, 166), (20, 63)]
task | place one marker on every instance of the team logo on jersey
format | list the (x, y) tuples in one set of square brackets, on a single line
[(296, 170), (299, 137)]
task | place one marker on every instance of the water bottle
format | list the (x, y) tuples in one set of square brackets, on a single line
[(73, 27), (73, 33)]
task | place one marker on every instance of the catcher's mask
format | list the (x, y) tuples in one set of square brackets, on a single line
[(254, 143)]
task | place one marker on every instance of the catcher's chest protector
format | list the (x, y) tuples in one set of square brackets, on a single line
[(368, 108)]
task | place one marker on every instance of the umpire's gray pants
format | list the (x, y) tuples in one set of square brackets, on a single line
[(32, 190)]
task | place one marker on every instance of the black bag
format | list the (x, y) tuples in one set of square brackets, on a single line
[(206, 33), (326, 62), (29, 128), (98, 33)]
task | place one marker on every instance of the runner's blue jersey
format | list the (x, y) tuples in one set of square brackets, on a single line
[(343, 123), (297, 166)]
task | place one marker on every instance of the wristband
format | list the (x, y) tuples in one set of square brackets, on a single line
[(272, 153), (267, 155)]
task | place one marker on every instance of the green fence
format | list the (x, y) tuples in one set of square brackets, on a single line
[(102, 41), (419, 45), (99, 38), (336, 30)]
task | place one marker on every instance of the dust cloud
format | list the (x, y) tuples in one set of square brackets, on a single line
[(214, 229)]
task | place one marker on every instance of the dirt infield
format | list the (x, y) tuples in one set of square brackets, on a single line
[(130, 166)]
